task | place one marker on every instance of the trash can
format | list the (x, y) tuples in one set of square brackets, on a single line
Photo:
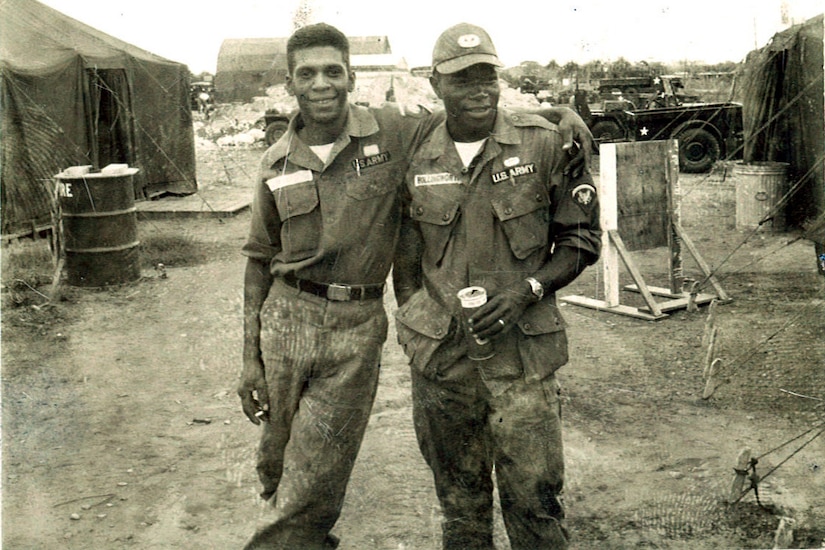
[(760, 188), (99, 226)]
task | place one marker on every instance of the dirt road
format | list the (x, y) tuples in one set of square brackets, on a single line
[(121, 428)]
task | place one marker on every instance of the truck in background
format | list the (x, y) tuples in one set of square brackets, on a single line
[(274, 123), (707, 132)]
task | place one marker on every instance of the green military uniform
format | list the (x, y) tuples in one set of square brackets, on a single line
[(328, 232), (492, 224)]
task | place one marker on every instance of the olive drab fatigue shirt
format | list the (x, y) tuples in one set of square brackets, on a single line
[(336, 223), (492, 225)]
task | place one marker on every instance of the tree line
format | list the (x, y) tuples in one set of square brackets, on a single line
[(553, 73)]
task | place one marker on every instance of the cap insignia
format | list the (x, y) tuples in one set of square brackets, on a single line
[(469, 40)]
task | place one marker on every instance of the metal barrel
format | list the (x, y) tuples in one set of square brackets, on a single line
[(99, 228), (760, 188)]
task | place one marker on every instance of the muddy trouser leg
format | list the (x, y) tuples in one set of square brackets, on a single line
[(274, 437), (526, 427), (451, 427), (322, 362)]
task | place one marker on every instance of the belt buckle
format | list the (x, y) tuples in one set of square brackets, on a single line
[(339, 293)]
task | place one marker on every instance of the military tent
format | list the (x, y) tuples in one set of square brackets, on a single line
[(72, 95), (784, 118), (248, 66)]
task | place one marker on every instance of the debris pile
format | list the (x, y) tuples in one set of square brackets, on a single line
[(241, 124)]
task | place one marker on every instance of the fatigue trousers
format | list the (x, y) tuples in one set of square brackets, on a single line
[(465, 430), (322, 361)]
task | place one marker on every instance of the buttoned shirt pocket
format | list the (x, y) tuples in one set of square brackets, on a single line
[(374, 181), (296, 200), (542, 343), (422, 324), (525, 218), (436, 217), (300, 220)]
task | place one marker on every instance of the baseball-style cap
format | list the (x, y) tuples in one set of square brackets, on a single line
[(463, 45)]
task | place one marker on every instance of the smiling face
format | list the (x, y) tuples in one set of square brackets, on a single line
[(470, 98), (321, 81)]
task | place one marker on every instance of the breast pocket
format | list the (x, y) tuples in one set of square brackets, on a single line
[(300, 220), (375, 181), (525, 218), (436, 217), (296, 200)]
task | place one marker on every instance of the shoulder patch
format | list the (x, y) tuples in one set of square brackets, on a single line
[(584, 195)]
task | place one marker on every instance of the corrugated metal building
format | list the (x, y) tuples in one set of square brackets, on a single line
[(248, 66)]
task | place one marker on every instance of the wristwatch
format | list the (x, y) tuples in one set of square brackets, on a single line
[(536, 288)]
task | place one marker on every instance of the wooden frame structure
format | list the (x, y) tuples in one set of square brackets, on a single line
[(639, 191)]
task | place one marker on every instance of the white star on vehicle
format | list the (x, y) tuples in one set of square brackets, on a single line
[(644, 130), (657, 80)]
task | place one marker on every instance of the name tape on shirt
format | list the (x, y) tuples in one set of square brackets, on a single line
[(371, 160), (521, 170), (444, 178), (279, 182)]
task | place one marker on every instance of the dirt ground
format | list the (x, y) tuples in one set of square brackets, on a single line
[(121, 428)]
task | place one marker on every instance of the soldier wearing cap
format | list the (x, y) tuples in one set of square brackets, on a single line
[(489, 205), (325, 222)]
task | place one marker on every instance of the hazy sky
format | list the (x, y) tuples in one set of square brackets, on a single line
[(698, 30)]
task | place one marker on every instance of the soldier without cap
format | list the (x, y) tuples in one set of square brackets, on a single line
[(325, 223), (489, 206)]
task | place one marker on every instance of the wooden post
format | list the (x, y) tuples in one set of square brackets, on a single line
[(58, 254), (635, 273), (710, 323), (609, 206), (741, 475), (703, 265), (674, 213), (710, 364), (712, 382), (710, 351), (54, 293)]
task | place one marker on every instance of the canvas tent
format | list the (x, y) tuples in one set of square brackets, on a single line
[(72, 95), (248, 66), (784, 118)]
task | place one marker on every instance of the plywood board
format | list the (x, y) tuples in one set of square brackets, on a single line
[(216, 204), (642, 193), (600, 305)]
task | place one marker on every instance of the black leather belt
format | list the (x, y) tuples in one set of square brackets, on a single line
[(336, 292)]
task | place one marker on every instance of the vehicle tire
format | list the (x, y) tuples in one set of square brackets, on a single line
[(698, 150), (275, 130), (606, 131)]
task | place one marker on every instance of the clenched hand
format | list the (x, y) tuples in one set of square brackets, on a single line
[(253, 391)]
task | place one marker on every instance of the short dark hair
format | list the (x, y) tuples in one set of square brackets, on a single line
[(320, 34)]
